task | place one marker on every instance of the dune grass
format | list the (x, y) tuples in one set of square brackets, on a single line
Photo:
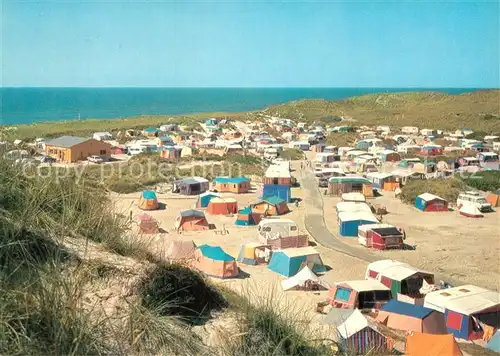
[(86, 127), (42, 306)]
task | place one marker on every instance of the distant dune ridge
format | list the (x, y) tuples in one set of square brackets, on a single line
[(478, 110)]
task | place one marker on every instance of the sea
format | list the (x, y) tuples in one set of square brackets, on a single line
[(31, 105)]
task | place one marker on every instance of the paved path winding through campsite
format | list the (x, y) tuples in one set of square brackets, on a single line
[(315, 224)]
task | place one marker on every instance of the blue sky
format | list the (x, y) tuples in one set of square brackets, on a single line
[(250, 44)]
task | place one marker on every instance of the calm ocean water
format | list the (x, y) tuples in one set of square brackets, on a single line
[(28, 105)]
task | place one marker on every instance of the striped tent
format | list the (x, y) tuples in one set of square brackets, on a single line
[(359, 337)]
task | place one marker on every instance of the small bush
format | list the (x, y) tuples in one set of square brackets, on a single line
[(341, 139), (243, 159), (176, 290), (292, 154)]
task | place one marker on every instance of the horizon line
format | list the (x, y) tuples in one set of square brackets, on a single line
[(247, 87)]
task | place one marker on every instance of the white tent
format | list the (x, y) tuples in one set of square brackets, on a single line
[(354, 323), (470, 211), (300, 279)]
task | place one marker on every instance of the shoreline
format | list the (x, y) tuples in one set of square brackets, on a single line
[(452, 111), (353, 93)]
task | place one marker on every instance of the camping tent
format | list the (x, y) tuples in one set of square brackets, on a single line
[(189, 220), (430, 202), (470, 211), (304, 280), (352, 207), (494, 343), (353, 197), (350, 221), (409, 317), (281, 234), (466, 309), (359, 336), (246, 217), (253, 253), (281, 191), (179, 250), (233, 185), (271, 206), (337, 316), (190, 186), (419, 344), (219, 206), (365, 236), (204, 199), (288, 262), (363, 294), (400, 277), (213, 261), (494, 198), (148, 200)]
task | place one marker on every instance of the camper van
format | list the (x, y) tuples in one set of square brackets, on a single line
[(273, 227), (270, 153), (475, 199), (488, 160)]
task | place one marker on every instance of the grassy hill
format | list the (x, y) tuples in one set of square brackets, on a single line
[(479, 110)]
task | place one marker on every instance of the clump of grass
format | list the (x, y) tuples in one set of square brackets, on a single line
[(341, 139), (292, 154), (270, 326), (147, 331), (46, 317), (176, 290)]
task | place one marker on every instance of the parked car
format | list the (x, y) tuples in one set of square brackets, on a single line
[(475, 199), (323, 182), (95, 159), (47, 159)]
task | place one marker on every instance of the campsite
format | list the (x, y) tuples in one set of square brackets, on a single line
[(306, 232)]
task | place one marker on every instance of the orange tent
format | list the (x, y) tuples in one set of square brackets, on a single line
[(219, 206), (494, 199), (148, 200), (213, 261), (418, 344), (190, 220)]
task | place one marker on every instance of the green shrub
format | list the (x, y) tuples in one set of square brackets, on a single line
[(177, 290), (445, 188), (292, 154)]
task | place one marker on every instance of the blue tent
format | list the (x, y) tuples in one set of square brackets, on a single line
[(215, 253), (245, 217), (281, 191), (494, 343), (234, 180), (288, 262), (349, 222), (148, 194)]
